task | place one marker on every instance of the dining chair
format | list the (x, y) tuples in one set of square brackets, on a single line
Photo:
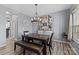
[(50, 42), (50, 33), (26, 33)]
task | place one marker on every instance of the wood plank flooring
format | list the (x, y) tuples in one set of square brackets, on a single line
[(58, 48)]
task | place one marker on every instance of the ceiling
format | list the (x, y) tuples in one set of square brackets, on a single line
[(43, 9)]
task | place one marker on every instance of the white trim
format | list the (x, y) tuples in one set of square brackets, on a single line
[(77, 8), (3, 44), (60, 41), (12, 38)]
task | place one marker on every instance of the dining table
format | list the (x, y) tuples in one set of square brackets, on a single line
[(39, 37)]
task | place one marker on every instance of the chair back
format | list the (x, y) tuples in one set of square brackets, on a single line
[(24, 38), (50, 39), (26, 32)]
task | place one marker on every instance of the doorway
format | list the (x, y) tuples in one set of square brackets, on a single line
[(11, 27)]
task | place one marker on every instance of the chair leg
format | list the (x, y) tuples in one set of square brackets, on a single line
[(32, 40), (38, 54), (50, 50)]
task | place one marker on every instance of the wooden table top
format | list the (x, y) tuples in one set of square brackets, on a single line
[(37, 36)]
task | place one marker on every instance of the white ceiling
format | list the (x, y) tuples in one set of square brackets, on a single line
[(43, 9)]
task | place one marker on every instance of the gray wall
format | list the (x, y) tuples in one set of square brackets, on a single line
[(2, 25), (60, 23), (24, 24), (2, 30)]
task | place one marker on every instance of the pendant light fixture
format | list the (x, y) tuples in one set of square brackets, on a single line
[(35, 18)]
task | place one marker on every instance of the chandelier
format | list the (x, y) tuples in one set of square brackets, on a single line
[(35, 18)]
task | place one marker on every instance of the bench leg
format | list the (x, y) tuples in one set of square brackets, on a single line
[(14, 47), (23, 51), (44, 50)]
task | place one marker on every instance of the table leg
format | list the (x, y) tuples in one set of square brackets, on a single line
[(44, 50), (14, 46), (23, 51)]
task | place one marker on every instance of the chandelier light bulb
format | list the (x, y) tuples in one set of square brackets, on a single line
[(36, 18)]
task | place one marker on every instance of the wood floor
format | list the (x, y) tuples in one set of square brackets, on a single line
[(58, 48)]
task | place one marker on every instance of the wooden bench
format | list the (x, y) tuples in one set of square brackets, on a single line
[(29, 46)]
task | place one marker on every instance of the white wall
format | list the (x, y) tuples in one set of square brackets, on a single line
[(60, 23), (75, 41)]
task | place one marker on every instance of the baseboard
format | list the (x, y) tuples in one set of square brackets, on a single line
[(3, 44), (60, 41), (12, 38)]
